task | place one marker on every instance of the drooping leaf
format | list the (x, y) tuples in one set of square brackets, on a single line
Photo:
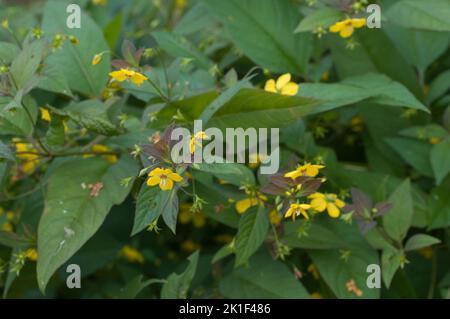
[(252, 231), (269, 38), (74, 211), (177, 285)]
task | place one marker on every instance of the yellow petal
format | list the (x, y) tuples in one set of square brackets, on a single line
[(358, 23), (192, 145), (270, 86), (154, 180), (289, 212), (166, 184), (316, 195), (346, 31), (244, 204), (282, 81), (339, 203), (138, 78), (290, 89), (175, 177), (319, 204), (336, 27), (293, 174), (333, 211), (45, 115), (156, 172), (118, 75)]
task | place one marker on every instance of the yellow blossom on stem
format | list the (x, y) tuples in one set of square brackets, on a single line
[(347, 26), (31, 254), (283, 85), (308, 169), (196, 141), (96, 59), (434, 140), (321, 202), (274, 218), (45, 114), (128, 75), (165, 178), (297, 210), (244, 204), (131, 254), (26, 153)]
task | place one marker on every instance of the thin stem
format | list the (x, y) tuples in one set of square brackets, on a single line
[(160, 93)]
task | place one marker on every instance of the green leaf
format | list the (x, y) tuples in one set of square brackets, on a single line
[(417, 14), (135, 286), (6, 153), (75, 60), (236, 174), (8, 52), (440, 207), (265, 278), (55, 136), (390, 262), (374, 53), (90, 114), (268, 39), (420, 241), (397, 221), (25, 65), (196, 19), (112, 31), (415, 153), (337, 271), (439, 86), (17, 122), (177, 285), (170, 208), (52, 79), (179, 46), (223, 98), (72, 213), (252, 231), (440, 160), (377, 87), (420, 48), (13, 240), (148, 206), (323, 17), (223, 252)]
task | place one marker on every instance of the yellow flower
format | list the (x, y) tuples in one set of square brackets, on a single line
[(31, 161), (274, 218), (96, 59), (45, 115), (7, 227), (164, 178), (128, 75), (5, 24), (256, 159), (31, 254), (198, 220), (131, 254), (283, 85), (10, 216), (308, 169), (99, 148), (244, 204), (100, 2), (434, 140), (316, 295), (330, 202), (189, 246), (185, 215), (296, 210), (196, 141), (313, 271), (180, 4), (346, 27)]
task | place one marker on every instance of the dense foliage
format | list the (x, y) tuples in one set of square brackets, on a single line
[(87, 176)]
